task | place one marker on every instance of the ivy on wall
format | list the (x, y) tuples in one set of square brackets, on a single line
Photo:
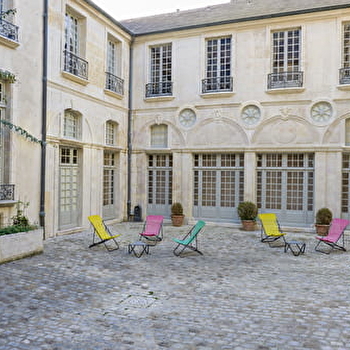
[(7, 76), (21, 131)]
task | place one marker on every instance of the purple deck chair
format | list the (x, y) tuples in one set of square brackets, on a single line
[(153, 228), (335, 233)]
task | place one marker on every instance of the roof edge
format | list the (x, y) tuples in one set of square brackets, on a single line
[(245, 19)]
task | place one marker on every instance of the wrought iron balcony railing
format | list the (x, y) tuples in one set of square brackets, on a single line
[(344, 75), (285, 80), (159, 89), (218, 84), (7, 192), (8, 30), (75, 65), (114, 83)]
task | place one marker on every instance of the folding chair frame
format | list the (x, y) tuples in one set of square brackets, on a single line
[(188, 242), (155, 238), (111, 238), (333, 244), (265, 238)]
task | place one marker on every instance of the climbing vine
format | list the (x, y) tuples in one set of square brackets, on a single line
[(7, 76), (21, 131)]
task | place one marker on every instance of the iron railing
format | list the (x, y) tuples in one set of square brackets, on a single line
[(8, 30), (7, 192), (285, 80), (114, 83), (159, 89), (75, 65), (218, 84), (344, 75)]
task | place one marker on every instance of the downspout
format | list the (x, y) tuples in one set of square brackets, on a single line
[(129, 150), (44, 118)]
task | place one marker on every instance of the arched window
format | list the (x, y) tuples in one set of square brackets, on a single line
[(111, 133), (159, 136), (347, 132), (72, 124)]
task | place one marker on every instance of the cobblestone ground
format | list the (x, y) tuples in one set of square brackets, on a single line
[(241, 294)]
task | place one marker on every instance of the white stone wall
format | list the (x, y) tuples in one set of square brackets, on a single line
[(285, 125)]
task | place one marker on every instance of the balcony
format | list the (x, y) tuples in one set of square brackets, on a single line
[(344, 76), (75, 65), (7, 192), (159, 89), (114, 84), (218, 84), (285, 80), (8, 30)]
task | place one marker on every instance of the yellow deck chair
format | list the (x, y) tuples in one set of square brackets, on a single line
[(270, 229), (102, 233)]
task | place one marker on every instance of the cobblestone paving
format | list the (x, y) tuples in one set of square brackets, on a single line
[(241, 294)]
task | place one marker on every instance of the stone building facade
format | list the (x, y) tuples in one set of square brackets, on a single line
[(247, 100)]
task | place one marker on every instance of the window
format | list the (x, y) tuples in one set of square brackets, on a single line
[(286, 57), (111, 133), (347, 132), (71, 124), (345, 70), (160, 71), (159, 136), (345, 185), (108, 178), (73, 62), (7, 28), (218, 65), (113, 81)]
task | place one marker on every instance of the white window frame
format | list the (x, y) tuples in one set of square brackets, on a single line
[(159, 136), (71, 125), (111, 133)]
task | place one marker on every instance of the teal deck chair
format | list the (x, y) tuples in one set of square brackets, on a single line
[(190, 240)]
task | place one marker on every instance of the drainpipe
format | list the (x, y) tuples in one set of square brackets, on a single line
[(44, 118), (129, 150)]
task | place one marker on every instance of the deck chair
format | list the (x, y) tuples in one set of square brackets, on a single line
[(270, 229), (335, 237), (153, 228), (102, 233), (190, 240)]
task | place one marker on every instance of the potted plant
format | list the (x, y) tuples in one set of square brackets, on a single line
[(177, 215), (323, 220), (248, 211), (21, 239)]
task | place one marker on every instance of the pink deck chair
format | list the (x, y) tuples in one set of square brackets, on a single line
[(153, 228), (335, 233)]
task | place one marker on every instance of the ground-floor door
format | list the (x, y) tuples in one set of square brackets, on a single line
[(160, 179), (345, 203), (285, 186), (109, 210), (218, 186), (69, 188)]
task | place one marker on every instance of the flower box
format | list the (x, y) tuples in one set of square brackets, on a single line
[(20, 245)]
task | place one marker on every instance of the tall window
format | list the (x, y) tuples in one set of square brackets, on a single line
[(218, 65), (345, 70), (71, 124), (71, 34), (2, 132), (346, 185), (108, 178), (113, 81), (159, 136), (73, 62), (160, 72), (111, 133), (286, 59)]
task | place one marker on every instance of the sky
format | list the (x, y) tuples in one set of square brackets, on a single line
[(125, 9)]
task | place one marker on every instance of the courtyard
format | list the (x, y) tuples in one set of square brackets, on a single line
[(241, 294)]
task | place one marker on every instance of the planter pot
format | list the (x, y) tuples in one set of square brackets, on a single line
[(20, 245), (322, 230), (249, 225), (177, 220)]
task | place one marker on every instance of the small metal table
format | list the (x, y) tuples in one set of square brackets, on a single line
[(138, 248), (296, 247)]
